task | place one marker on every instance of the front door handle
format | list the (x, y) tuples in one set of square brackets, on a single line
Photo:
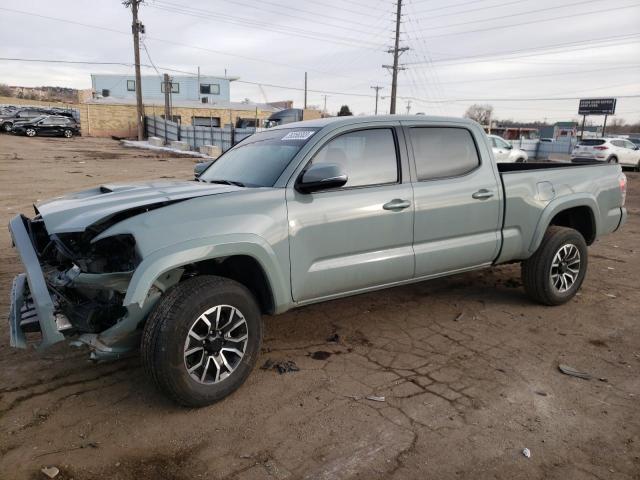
[(482, 194), (397, 204)]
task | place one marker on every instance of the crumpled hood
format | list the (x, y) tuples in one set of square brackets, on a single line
[(76, 211)]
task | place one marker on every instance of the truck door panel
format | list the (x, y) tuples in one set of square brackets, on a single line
[(358, 236)]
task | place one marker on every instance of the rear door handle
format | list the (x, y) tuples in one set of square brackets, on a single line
[(397, 204), (482, 194)]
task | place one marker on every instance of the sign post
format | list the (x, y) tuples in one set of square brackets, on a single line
[(596, 106)]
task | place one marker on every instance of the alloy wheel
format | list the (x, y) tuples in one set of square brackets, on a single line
[(565, 267), (215, 344)]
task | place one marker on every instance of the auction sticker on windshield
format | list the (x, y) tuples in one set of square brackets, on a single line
[(298, 135)]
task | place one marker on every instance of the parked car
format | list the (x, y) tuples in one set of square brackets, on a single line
[(47, 125), (295, 215), (25, 114), (635, 141), (504, 151), (607, 150)]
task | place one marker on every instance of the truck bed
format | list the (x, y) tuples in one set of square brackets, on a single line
[(534, 193)]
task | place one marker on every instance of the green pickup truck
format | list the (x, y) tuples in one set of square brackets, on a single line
[(293, 215)]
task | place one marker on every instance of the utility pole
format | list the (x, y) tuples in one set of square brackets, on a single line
[(325, 103), (136, 28), (397, 51), (408, 106), (377, 89), (305, 90), (167, 100)]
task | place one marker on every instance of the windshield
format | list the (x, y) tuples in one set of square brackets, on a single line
[(260, 159)]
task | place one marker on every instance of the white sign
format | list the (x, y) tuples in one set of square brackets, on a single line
[(299, 135)]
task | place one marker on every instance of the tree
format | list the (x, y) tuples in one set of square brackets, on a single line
[(479, 113), (344, 111), (5, 91)]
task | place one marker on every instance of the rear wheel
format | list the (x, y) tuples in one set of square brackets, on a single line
[(613, 160), (520, 160), (202, 340), (6, 126), (30, 132), (555, 272)]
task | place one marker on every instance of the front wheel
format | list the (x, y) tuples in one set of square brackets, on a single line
[(7, 126), (555, 272), (202, 340), (30, 132), (68, 133)]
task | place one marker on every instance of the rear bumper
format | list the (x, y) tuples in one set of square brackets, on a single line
[(32, 308)]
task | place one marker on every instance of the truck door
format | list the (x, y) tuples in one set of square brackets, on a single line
[(457, 200), (358, 236)]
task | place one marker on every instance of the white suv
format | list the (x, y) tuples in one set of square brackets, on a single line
[(504, 151), (612, 150)]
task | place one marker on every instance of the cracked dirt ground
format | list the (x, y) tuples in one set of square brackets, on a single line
[(464, 394)]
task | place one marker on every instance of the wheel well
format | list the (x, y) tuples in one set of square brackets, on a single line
[(241, 268), (580, 219)]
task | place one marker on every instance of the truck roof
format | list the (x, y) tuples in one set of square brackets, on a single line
[(354, 120)]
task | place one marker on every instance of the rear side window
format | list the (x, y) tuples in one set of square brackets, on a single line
[(591, 142), (443, 152), (368, 157)]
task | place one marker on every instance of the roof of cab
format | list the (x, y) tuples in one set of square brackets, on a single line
[(354, 120)]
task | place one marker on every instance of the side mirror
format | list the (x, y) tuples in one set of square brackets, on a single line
[(509, 146), (201, 167), (321, 176)]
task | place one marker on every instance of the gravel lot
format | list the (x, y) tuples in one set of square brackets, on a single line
[(468, 367)]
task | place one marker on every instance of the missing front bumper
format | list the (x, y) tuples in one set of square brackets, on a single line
[(31, 304)]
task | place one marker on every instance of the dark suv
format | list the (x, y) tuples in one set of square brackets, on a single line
[(22, 115), (49, 125)]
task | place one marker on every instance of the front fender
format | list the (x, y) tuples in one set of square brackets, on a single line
[(174, 256), (558, 205)]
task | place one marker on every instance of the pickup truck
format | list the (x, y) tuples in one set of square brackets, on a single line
[(294, 215)]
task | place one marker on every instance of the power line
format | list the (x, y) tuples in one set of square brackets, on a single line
[(530, 52), (303, 33), (511, 15), (543, 20), (170, 42), (540, 75)]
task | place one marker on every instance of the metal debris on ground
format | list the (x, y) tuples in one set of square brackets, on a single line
[(610, 295), (284, 366), (459, 317), (567, 370), (50, 472), (373, 398), (526, 452)]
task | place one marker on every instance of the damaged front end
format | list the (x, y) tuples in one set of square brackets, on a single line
[(73, 287)]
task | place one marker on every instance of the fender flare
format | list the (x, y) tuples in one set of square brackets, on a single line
[(207, 248), (557, 206)]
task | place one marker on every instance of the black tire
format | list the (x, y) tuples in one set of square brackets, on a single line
[(169, 324), (613, 160), (520, 160), (537, 270), (31, 132), (7, 127), (67, 133)]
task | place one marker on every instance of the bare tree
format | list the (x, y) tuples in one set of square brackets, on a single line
[(479, 113), (5, 91)]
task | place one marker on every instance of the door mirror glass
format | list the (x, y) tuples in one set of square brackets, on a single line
[(321, 176)]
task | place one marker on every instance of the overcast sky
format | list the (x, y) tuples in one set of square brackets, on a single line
[(460, 52)]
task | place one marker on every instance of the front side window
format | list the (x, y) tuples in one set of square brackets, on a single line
[(443, 152), (367, 157), (210, 89), (131, 85)]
